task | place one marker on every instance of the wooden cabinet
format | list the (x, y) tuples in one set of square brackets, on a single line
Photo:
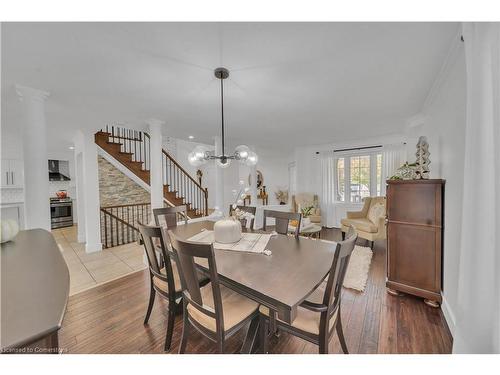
[(414, 238), (12, 173)]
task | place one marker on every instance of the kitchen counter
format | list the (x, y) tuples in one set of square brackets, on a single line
[(35, 288)]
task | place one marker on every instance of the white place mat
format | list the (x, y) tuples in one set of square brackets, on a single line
[(250, 242)]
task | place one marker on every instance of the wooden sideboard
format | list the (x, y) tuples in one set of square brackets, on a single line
[(414, 238)]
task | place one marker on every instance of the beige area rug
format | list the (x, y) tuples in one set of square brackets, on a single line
[(357, 271)]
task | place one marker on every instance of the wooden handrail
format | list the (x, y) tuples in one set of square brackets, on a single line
[(127, 205), (103, 209)]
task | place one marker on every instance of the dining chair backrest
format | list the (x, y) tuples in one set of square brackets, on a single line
[(283, 220), (170, 215), (186, 252), (250, 209), (333, 290), (153, 237)]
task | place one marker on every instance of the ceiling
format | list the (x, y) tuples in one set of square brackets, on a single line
[(290, 84)]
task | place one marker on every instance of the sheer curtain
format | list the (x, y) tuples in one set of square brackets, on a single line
[(478, 319), (393, 157), (327, 189)]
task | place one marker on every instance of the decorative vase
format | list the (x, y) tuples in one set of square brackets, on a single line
[(9, 229), (227, 231)]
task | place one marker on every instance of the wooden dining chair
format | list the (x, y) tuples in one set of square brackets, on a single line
[(318, 316), (163, 279), (250, 209), (170, 215), (214, 310), (282, 221), (164, 275)]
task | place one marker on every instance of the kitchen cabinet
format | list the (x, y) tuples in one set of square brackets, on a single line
[(12, 173), (13, 211)]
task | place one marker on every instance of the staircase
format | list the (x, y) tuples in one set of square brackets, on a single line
[(132, 149)]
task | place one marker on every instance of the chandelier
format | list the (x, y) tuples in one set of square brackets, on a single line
[(200, 154)]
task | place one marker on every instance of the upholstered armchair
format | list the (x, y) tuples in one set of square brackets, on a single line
[(303, 200), (369, 222)]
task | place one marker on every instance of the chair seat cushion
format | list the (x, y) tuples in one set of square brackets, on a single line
[(235, 308), (163, 285), (307, 320), (364, 225)]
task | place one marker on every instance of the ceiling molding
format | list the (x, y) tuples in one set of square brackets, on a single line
[(449, 61)]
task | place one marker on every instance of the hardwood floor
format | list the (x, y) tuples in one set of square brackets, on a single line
[(109, 319)]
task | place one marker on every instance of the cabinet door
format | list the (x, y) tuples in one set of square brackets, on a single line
[(17, 173), (5, 172), (414, 203), (414, 256), (11, 213)]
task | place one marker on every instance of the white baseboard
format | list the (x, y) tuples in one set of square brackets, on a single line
[(449, 316), (92, 248)]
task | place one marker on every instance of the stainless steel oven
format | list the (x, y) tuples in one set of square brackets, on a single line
[(61, 212)]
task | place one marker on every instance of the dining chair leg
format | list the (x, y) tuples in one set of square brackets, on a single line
[(185, 332), (340, 334), (343, 235), (170, 327), (323, 344), (263, 334), (152, 294), (220, 345)]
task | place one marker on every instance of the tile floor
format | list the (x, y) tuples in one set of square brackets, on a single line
[(88, 270)]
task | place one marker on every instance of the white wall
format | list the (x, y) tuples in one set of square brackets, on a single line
[(444, 126)]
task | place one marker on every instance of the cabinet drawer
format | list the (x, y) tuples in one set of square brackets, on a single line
[(414, 256)]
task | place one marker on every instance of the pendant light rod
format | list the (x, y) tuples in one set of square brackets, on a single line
[(222, 110)]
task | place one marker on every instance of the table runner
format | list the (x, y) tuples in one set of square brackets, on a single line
[(249, 242)]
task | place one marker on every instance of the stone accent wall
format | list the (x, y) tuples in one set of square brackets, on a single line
[(115, 188)]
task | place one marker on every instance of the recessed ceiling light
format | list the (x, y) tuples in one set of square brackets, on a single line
[(191, 137), (71, 147)]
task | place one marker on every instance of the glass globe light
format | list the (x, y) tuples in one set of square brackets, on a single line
[(252, 159), (242, 152), (223, 163), (198, 156)]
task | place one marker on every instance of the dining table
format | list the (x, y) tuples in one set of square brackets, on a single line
[(281, 280)]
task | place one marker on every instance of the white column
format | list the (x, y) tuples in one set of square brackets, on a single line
[(219, 178), (88, 189), (253, 188), (156, 173), (36, 175)]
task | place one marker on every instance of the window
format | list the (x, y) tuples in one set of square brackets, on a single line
[(358, 176)]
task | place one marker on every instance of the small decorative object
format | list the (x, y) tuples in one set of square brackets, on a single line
[(199, 174), (260, 179), (227, 231), (405, 172), (9, 229), (422, 162), (282, 196)]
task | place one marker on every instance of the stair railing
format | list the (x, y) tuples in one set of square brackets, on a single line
[(119, 223), (181, 183)]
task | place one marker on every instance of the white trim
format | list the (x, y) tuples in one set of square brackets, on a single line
[(449, 316), (449, 61)]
